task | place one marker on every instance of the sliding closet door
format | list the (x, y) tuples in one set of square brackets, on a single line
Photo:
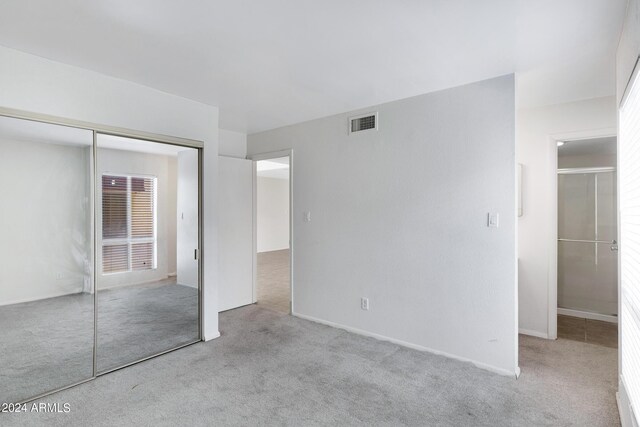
[(148, 234), (46, 288)]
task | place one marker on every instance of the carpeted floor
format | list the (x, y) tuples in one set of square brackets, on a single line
[(48, 344), (139, 321), (272, 369), (274, 290)]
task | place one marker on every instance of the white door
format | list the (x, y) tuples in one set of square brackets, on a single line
[(235, 230)]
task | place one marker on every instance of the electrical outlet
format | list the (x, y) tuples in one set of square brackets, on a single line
[(59, 275), (364, 303)]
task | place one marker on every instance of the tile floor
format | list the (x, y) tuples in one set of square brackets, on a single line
[(587, 330)]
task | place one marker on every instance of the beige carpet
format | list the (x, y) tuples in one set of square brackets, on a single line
[(268, 368), (274, 291)]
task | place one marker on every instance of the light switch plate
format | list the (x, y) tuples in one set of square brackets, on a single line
[(493, 220)]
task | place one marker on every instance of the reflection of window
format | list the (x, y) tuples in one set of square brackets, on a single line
[(128, 223)]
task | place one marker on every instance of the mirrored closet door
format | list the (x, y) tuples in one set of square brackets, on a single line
[(46, 287), (100, 253), (147, 228)]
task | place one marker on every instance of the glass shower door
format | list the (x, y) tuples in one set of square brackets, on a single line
[(587, 250)]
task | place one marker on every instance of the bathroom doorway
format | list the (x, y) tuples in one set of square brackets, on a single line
[(587, 241)]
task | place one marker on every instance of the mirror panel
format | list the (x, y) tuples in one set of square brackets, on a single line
[(46, 287), (147, 228)]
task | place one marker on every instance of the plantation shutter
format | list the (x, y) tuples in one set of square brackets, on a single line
[(142, 222), (128, 223), (629, 172), (115, 251)]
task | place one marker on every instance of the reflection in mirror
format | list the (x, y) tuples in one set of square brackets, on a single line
[(147, 203), (46, 289)]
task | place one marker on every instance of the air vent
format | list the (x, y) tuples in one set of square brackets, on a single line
[(365, 122)]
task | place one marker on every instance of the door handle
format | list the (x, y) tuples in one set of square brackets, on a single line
[(614, 246)]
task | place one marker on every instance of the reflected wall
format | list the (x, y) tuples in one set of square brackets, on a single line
[(46, 289)]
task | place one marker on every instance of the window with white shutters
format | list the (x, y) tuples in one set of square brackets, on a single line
[(128, 223), (629, 245)]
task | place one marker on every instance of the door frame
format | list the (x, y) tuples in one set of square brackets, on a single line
[(267, 156), (552, 274)]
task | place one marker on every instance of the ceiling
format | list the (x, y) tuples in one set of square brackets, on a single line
[(589, 147), (271, 63)]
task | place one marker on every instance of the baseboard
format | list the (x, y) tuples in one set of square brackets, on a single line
[(131, 285), (627, 417), (40, 297), (212, 337), (587, 315), (533, 333), (487, 367), (234, 307)]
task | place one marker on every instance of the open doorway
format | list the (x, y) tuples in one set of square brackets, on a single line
[(587, 256), (272, 288)]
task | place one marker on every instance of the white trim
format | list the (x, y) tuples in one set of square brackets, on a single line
[(533, 333), (627, 415), (514, 374), (212, 337), (552, 274), (587, 315), (42, 298)]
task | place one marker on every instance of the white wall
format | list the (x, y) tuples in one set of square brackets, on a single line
[(236, 232), (35, 84), (400, 217), (232, 144), (187, 217), (272, 214), (536, 228), (44, 216), (129, 162)]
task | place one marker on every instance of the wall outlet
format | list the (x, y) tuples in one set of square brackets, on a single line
[(59, 275), (307, 216), (364, 303)]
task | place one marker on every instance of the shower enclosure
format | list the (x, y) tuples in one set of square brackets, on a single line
[(587, 247)]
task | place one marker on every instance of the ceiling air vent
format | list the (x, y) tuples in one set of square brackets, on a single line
[(365, 122)]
